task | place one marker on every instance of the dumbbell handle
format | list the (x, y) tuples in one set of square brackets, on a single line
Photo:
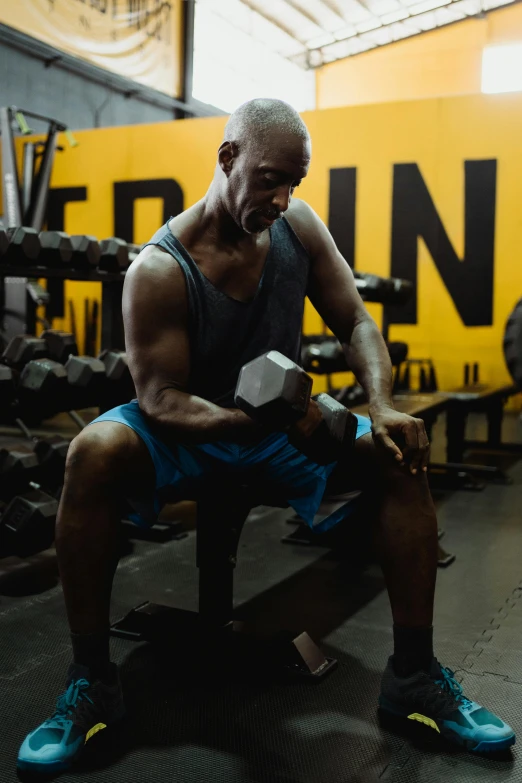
[(333, 438), (274, 390)]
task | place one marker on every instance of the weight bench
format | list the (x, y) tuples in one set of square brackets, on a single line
[(479, 398), (222, 509)]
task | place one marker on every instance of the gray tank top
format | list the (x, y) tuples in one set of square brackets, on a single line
[(225, 333)]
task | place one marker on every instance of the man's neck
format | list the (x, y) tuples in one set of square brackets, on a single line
[(218, 224)]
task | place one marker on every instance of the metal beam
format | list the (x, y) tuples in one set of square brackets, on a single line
[(254, 7), (188, 10), (53, 58), (306, 14), (297, 58)]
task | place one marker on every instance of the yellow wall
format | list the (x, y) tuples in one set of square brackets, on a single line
[(438, 135), (447, 61)]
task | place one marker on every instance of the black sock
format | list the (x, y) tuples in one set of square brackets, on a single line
[(413, 650), (92, 650)]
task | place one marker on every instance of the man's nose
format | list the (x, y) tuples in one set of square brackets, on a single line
[(282, 198)]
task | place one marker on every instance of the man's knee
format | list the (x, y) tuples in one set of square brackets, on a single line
[(107, 453), (381, 472)]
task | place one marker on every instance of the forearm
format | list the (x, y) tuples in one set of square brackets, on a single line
[(183, 417), (367, 356)]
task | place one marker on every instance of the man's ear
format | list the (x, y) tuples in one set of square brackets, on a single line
[(226, 156)]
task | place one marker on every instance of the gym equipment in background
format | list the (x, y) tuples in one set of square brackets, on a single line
[(513, 344)]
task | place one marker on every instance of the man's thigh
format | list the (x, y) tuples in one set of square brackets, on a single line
[(358, 470)]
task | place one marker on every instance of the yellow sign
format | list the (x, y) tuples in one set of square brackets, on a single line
[(431, 189), (138, 39)]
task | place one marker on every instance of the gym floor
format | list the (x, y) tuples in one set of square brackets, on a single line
[(197, 721)]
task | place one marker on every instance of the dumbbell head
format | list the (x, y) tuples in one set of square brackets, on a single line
[(273, 390), (335, 436), (86, 252), (134, 251), (323, 358), (56, 248), (52, 454), (60, 345), (23, 348), (24, 245), (42, 390), (87, 380), (4, 242), (17, 469), (120, 386), (114, 255), (84, 371), (7, 390), (116, 364), (27, 524)]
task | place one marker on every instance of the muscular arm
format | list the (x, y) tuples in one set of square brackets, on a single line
[(332, 291), (155, 320)]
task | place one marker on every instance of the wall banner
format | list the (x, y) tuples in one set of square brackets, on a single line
[(138, 39)]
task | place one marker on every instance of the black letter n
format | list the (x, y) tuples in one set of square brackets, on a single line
[(470, 281)]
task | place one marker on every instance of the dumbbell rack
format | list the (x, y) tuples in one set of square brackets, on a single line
[(112, 288)]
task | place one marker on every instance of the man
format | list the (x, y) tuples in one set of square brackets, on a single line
[(218, 286)]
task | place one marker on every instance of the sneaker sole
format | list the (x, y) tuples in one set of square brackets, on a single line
[(486, 746), (50, 767), (46, 768)]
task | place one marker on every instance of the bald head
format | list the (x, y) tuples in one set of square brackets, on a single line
[(264, 156), (259, 120)]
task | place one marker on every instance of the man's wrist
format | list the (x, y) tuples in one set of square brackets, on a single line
[(380, 406)]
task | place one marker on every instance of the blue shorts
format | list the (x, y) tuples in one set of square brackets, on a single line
[(180, 469)]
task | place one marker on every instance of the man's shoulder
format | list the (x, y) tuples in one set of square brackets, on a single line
[(154, 263), (304, 222)]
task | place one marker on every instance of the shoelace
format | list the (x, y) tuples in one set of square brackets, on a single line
[(68, 701), (450, 685)]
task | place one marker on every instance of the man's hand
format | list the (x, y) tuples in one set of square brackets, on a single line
[(303, 428), (403, 436)]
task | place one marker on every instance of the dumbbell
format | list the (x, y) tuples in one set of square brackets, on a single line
[(22, 348), (45, 464), (324, 357), (60, 344), (19, 246), (18, 467), (120, 386), (87, 381), (56, 249), (51, 455), (86, 252), (27, 524), (275, 392), (46, 387), (114, 255)]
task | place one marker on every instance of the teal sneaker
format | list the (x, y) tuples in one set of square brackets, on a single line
[(81, 712), (436, 700)]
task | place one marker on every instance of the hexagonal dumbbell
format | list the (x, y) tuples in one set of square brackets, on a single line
[(120, 386), (51, 453), (56, 249), (7, 393), (60, 344), (22, 349), (23, 246), (86, 252), (275, 392), (18, 467), (27, 524), (114, 255), (42, 390), (87, 381)]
